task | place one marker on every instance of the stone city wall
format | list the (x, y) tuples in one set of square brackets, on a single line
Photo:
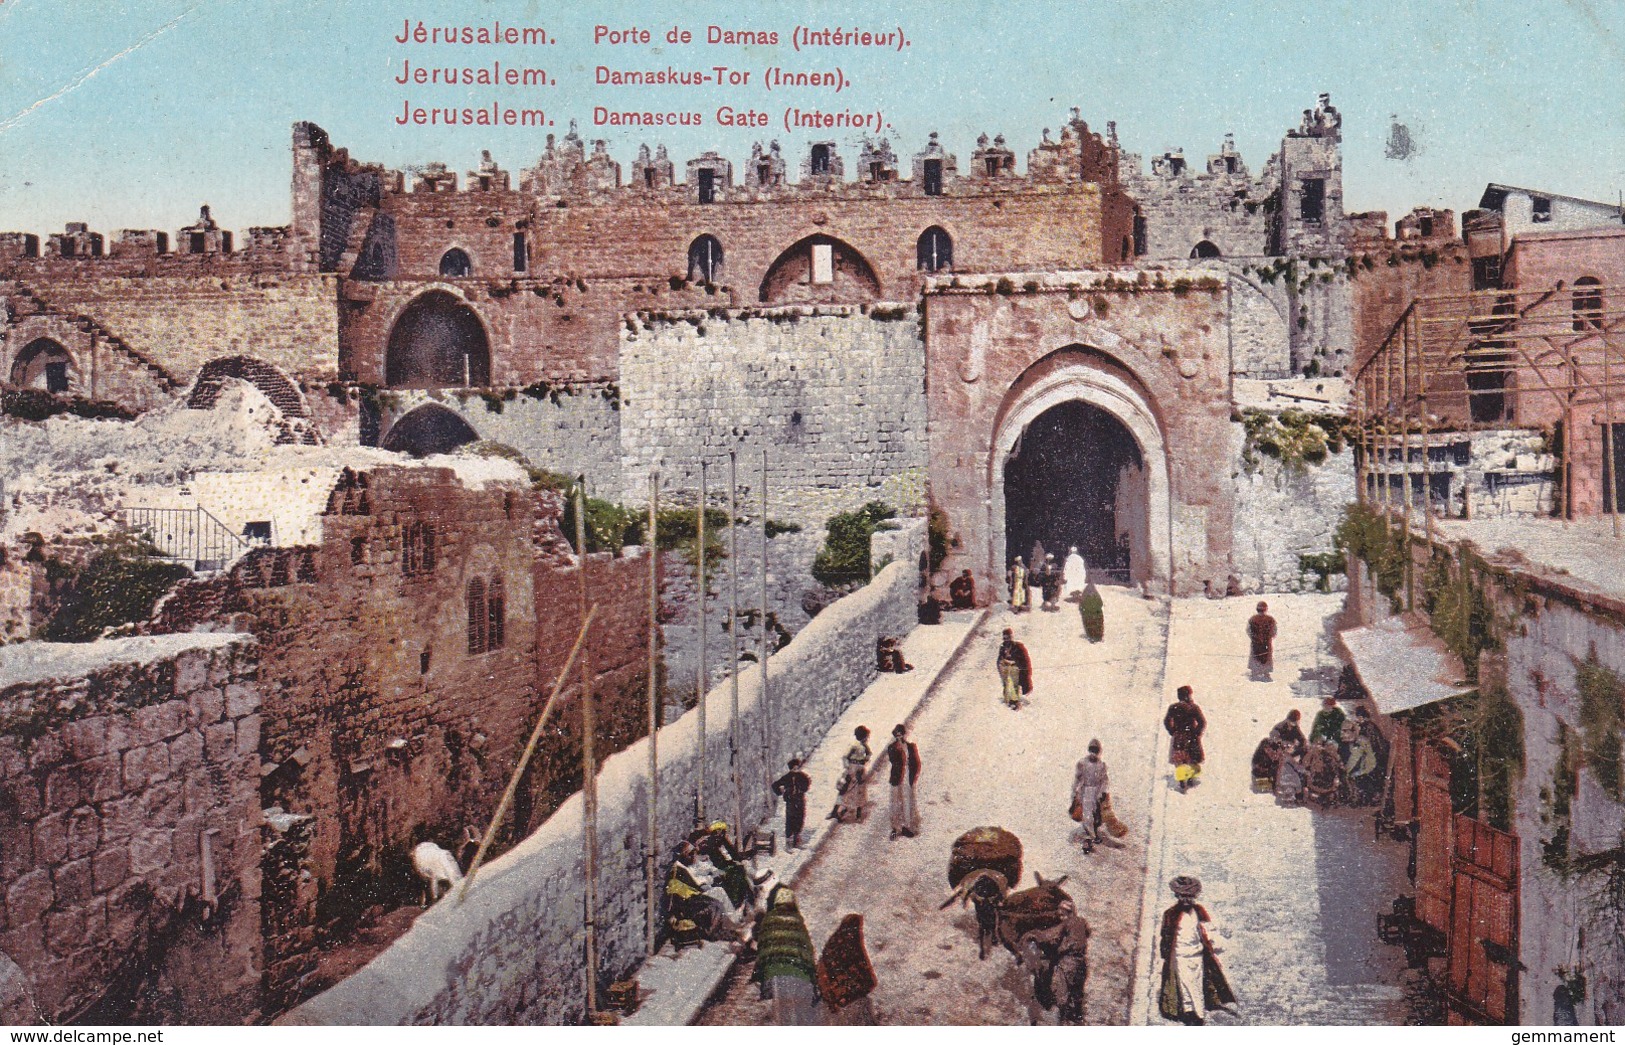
[(512, 953), (130, 830), (835, 395)]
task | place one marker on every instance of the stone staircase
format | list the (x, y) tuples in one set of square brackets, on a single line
[(34, 305)]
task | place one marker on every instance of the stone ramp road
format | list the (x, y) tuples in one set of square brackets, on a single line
[(984, 764), (676, 986), (1297, 890)]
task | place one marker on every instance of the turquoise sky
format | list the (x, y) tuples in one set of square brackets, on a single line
[(129, 113)]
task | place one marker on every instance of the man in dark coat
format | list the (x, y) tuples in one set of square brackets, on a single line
[(962, 591), (1192, 979), (904, 758), (1015, 670), (1261, 639), (1289, 734), (1185, 724), (793, 787), (1061, 955)]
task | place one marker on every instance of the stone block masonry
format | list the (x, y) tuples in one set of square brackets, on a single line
[(835, 394), (1285, 512), (512, 952), (130, 830)]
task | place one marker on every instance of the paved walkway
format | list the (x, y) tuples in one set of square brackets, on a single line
[(1296, 890), (984, 764), (676, 987)]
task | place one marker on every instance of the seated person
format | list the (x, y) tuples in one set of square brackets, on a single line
[(736, 882), (1325, 773), (692, 913), (962, 591), (1266, 760), (889, 656), (1290, 779), (1288, 734)]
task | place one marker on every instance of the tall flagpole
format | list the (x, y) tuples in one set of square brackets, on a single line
[(589, 768), (700, 679), (769, 766), (733, 645), (652, 856)]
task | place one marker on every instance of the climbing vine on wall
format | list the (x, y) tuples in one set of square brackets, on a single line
[(1602, 721), (1369, 537), (1296, 438), (1459, 609)]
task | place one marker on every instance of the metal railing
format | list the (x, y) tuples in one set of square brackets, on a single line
[(186, 535)]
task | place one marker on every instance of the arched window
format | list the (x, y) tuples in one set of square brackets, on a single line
[(705, 260), (935, 250), (1588, 303), (478, 625), (1205, 249), (417, 548), (455, 263)]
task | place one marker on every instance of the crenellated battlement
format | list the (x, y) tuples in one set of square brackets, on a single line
[(576, 170)]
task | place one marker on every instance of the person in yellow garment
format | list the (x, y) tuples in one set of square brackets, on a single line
[(1018, 586)]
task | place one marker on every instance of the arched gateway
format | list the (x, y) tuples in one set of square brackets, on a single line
[(1078, 457)]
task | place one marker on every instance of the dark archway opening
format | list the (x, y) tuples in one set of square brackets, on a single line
[(437, 343), (45, 364), (429, 430), (1205, 249), (1076, 477)]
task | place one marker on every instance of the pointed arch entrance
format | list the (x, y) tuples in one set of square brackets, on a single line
[(1079, 458)]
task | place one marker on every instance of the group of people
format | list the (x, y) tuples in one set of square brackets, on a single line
[(1052, 580), (1342, 760), (710, 894), (852, 789)]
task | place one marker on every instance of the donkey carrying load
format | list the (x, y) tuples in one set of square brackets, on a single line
[(983, 866)]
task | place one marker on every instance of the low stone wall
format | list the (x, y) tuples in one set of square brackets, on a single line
[(512, 953), (130, 830)]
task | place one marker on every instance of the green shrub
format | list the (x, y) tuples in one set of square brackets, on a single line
[(609, 526), (845, 555), (119, 584)]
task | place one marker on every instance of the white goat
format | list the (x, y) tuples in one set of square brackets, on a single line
[(437, 869)]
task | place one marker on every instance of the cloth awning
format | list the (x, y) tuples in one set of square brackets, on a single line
[(1403, 664)]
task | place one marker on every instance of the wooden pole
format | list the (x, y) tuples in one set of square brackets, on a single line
[(1405, 454), (769, 764), (700, 682), (652, 856), (589, 767), (1609, 476), (1568, 436), (524, 758), (733, 647)]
